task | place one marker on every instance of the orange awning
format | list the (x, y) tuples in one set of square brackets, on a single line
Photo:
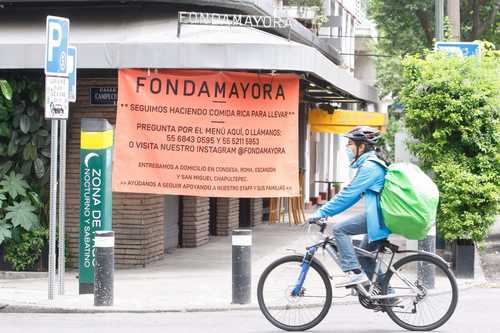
[(341, 121)]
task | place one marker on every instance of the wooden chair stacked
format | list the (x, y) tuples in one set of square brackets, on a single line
[(293, 206)]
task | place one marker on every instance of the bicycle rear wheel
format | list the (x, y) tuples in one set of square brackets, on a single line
[(436, 300), (294, 313)]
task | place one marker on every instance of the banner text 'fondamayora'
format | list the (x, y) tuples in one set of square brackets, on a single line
[(206, 133)]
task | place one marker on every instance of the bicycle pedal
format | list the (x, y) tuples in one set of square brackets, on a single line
[(346, 295)]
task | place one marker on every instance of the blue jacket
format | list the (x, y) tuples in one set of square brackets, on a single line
[(368, 180)]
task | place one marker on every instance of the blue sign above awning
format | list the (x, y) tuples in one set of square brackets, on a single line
[(462, 49)]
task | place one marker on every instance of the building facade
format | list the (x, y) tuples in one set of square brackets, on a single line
[(110, 35)]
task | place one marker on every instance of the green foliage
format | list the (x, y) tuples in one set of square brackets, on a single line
[(389, 78), (24, 253), (400, 23), (24, 160), (19, 206), (24, 133), (452, 110), (6, 89), (400, 33), (388, 138), (5, 232), (22, 214), (487, 24), (407, 27), (488, 49), (14, 184)]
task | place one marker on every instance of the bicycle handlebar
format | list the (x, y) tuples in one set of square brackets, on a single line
[(321, 223)]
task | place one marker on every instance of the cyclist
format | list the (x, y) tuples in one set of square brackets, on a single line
[(369, 180)]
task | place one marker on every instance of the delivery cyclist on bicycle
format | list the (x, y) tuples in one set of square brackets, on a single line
[(369, 180)]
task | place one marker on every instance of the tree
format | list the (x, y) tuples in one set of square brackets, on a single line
[(407, 27), (452, 110)]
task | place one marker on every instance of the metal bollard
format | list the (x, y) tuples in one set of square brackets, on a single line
[(242, 263), (104, 268), (426, 272)]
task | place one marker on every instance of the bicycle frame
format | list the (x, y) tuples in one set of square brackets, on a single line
[(331, 248), (416, 289)]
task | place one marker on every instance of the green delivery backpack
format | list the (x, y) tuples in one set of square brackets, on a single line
[(409, 201)]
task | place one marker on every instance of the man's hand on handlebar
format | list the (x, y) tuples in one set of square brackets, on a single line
[(313, 220), (319, 221)]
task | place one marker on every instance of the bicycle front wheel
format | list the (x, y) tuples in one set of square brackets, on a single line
[(434, 287), (288, 312)]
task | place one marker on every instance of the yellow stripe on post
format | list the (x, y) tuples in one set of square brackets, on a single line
[(342, 121), (96, 140)]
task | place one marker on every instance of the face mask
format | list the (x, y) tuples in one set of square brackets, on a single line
[(350, 155)]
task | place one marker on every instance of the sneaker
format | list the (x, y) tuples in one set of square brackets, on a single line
[(352, 279)]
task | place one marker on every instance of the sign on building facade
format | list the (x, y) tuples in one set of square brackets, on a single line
[(207, 133)]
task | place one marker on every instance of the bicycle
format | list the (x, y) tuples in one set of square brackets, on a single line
[(295, 292)]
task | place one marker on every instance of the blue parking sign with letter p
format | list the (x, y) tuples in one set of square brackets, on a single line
[(56, 48)]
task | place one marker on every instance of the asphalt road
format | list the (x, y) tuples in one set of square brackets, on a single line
[(478, 311)]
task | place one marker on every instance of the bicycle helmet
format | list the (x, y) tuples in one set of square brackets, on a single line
[(364, 134)]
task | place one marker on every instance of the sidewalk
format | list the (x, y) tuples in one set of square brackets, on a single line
[(490, 254), (188, 280)]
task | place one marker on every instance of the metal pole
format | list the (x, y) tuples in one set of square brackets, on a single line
[(178, 24), (429, 243), (62, 204), (439, 35), (439, 19), (104, 268), (53, 207), (454, 17), (242, 264), (426, 274)]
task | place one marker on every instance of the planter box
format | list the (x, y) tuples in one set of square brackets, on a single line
[(464, 259)]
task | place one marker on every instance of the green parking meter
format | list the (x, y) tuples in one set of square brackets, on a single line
[(96, 144)]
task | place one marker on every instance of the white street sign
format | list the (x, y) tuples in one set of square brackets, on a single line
[(56, 97)]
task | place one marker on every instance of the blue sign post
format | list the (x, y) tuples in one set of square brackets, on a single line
[(56, 51), (72, 73), (461, 49), (56, 107)]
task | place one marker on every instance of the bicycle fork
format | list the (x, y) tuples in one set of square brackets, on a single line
[(306, 263)]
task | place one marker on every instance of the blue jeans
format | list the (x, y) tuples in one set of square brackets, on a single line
[(355, 225)]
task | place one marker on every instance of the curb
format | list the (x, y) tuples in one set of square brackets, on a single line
[(12, 275), (43, 309), (337, 301)]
